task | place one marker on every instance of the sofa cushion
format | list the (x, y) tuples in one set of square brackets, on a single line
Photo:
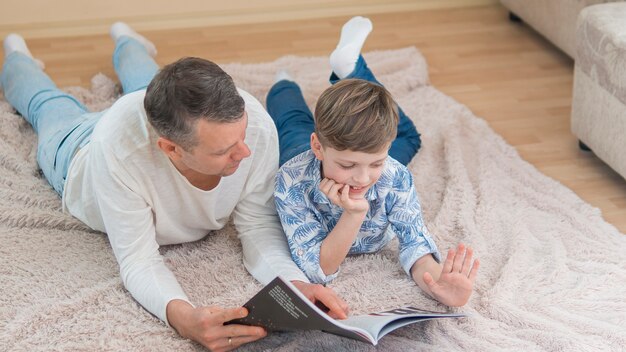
[(601, 46)]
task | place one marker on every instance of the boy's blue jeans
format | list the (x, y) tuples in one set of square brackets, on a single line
[(62, 123), (294, 121)]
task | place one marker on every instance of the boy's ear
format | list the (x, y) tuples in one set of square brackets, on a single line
[(171, 149), (316, 147)]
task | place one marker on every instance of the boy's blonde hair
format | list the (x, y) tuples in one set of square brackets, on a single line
[(356, 115)]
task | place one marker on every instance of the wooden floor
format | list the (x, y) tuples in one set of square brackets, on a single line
[(504, 72)]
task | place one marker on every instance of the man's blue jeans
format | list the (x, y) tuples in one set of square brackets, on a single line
[(294, 121), (62, 123)]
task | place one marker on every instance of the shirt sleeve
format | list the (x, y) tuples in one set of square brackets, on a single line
[(302, 227), (129, 224), (265, 251), (405, 218)]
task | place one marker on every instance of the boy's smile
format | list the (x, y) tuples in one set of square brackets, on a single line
[(359, 170), (358, 192)]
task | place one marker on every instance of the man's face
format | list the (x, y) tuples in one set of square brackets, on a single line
[(359, 170), (220, 149)]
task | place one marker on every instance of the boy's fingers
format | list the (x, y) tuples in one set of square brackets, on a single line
[(338, 308), (467, 263), (447, 265), (474, 271), (345, 194), (428, 279), (325, 185), (334, 190), (458, 259)]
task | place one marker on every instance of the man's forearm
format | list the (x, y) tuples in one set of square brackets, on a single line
[(266, 254), (177, 313)]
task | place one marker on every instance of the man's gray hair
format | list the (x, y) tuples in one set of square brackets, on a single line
[(188, 90)]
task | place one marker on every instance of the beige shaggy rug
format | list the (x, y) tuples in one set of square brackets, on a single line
[(553, 273)]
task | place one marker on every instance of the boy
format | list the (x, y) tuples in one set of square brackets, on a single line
[(348, 191)]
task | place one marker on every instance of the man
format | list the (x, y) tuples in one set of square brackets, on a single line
[(163, 165)]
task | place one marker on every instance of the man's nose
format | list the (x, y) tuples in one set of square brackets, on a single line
[(242, 152)]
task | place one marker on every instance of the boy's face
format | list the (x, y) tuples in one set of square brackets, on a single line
[(359, 170)]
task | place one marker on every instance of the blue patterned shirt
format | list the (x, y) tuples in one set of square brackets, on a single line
[(308, 215)]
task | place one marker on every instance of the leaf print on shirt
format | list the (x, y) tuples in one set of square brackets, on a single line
[(372, 243), (280, 184), (390, 201), (296, 193), (288, 219), (306, 231), (313, 169), (402, 181), (404, 217), (368, 225), (292, 171)]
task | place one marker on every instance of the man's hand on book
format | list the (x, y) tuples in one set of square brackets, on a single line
[(453, 287), (206, 325), (318, 294)]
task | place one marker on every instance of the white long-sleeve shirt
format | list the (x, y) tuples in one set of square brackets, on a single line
[(121, 183)]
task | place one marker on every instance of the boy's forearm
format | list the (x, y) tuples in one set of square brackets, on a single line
[(425, 264), (337, 244)]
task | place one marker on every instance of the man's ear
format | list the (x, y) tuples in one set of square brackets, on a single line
[(171, 149), (317, 147)]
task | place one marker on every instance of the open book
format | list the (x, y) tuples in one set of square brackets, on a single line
[(280, 306)]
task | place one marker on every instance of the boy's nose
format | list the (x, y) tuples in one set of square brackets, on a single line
[(361, 178)]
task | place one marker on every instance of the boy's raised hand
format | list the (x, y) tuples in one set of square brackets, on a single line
[(339, 194), (455, 284)]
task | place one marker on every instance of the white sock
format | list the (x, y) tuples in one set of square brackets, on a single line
[(353, 35), (282, 75), (119, 29), (14, 42)]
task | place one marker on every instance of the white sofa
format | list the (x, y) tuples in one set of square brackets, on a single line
[(593, 33), (554, 19), (599, 100)]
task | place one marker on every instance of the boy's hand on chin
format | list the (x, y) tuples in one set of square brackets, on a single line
[(339, 194)]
